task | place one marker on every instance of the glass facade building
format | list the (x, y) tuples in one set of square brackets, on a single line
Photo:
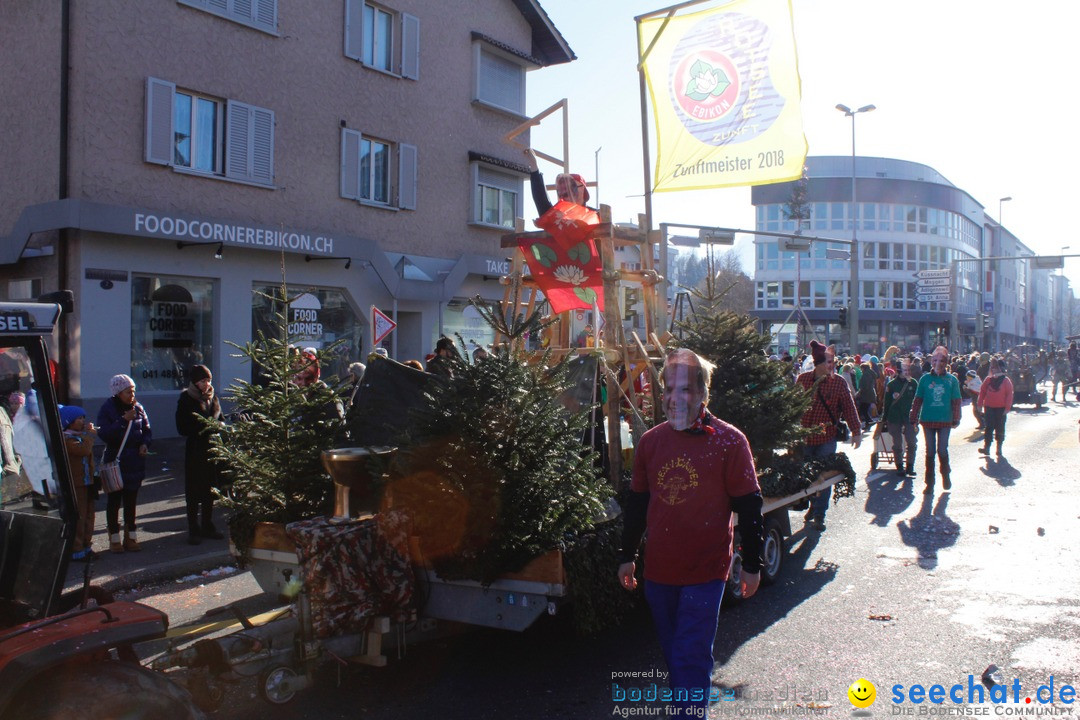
[(909, 220)]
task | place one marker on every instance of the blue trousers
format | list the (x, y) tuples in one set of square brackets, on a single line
[(819, 501), (685, 617)]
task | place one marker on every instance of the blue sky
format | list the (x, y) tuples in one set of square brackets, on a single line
[(980, 90)]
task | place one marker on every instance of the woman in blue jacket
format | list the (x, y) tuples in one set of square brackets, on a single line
[(113, 419)]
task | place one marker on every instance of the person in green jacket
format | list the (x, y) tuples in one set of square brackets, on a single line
[(937, 409), (899, 394)]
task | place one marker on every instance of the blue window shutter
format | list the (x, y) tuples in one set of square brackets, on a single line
[(238, 141), (262, 146), (350, 164), (407, 176), (266, 14), (221, 6), (354, 28), (249, 143), (242, 9), (159, 121), (410, 46)]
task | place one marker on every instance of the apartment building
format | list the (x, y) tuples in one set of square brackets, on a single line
[(173, 161)]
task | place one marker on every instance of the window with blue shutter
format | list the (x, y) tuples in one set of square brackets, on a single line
[(370, 168), (259, 14), (350, 164), (249, 143), (407, 176), (410, 46), (382, 38), (159, 121), (199, 134)]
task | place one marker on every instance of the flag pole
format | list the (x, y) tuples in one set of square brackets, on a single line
[(647, 168)]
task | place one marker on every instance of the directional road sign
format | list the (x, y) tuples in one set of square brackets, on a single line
[(936, 297), (933, 282), (923, 274)]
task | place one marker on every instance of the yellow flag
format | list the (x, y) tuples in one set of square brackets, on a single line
[(725, 95)]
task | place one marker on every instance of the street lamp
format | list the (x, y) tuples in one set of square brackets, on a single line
[(1000, 201), (853, 312)]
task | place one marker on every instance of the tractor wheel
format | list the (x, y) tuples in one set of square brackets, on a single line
[(104, 690)]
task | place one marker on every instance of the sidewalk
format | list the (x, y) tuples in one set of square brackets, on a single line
[(162, 528)]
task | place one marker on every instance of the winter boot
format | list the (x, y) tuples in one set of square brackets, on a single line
[(211, 532), (929, 489), (114, 543), (998, 448), (985, 449), (946, 484), (131, 544)]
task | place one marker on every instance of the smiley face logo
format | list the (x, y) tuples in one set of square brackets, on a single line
[(862, 693)]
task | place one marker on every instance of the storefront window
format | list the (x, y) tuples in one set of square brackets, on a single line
[(461, 318), (317, 318), (171, 330)]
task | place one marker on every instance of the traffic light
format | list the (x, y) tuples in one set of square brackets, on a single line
[(843, 317), (987, 323)]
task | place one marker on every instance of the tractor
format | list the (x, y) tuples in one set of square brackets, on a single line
[(61, 655)]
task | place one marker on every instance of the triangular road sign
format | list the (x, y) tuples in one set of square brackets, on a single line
[(381, 324)]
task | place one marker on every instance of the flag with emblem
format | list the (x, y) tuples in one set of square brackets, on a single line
[(725, 90)]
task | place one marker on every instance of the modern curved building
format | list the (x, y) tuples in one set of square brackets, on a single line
[(911, 220)]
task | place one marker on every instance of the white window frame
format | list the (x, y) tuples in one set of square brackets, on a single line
[(480, 96), (258, 14), (247, 136), (218, 164), (362, 39), (374, 52), (487, 176), (401, 173)]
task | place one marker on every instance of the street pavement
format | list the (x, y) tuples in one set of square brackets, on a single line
[(162, 532), (902, 589)]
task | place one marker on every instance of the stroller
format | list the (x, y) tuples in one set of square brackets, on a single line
[(883, 449)]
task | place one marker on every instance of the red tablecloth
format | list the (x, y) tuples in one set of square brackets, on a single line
[(354, 570)]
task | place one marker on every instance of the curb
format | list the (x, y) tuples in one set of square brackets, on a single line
[(148, 574)]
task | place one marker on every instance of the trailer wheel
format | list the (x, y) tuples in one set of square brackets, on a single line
[(106, 690), (772, 552), (733, 587), (276, 685)]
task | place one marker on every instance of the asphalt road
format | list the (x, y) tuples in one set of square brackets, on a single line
[(902, 589)]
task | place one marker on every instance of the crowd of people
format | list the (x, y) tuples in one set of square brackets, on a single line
[(902, 396)]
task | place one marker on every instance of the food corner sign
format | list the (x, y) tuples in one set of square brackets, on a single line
[(172, 317), (304, 325)]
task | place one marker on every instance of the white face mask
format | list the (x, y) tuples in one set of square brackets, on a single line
[(682, 398)]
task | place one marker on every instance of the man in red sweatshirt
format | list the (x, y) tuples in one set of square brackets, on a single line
[(996, 399)]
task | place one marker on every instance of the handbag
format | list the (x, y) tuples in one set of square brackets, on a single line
[(111, 479), (843, 432)]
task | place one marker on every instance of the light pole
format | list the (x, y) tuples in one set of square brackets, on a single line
[(853, 291), (1060, 324), (1000, 201)]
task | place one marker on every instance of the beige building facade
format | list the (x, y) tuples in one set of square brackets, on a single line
[(170, 161)]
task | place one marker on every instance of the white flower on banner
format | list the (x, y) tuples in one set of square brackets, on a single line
[(570, 274)]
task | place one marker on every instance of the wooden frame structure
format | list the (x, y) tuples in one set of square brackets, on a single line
[(615, 349)]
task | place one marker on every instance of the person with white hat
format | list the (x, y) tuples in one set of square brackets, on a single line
[(125, 428)]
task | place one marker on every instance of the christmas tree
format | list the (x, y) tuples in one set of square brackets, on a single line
[(748, 390), (271, 452), (505, 475)]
